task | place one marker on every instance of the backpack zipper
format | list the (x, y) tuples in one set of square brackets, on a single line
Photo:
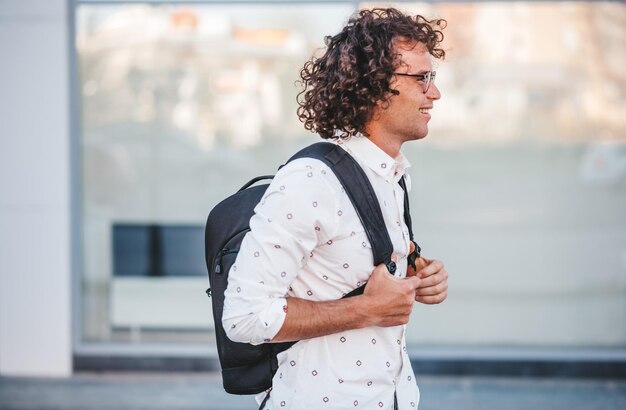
[(218, 261), (218, 264)]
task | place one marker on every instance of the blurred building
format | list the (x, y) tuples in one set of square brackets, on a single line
[(124, 124)]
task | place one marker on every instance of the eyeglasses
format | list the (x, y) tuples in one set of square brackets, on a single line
[(427, 78)]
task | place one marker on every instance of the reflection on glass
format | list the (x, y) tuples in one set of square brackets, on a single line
[(520, 185), (180, 106)]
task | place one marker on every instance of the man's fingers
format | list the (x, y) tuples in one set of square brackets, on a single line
[(432, 300), (432, 290), (434, 283), (437, 278), (421, 263), (432, 268)]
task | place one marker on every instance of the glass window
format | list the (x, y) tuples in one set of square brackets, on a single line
[(181, 105), (520, 186)]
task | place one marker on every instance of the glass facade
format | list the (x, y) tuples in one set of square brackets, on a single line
[(520, 186)]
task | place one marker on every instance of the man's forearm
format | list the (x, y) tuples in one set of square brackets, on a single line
[(306, 319), (386, 301)]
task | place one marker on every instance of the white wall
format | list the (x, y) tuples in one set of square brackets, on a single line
[(35, 315)]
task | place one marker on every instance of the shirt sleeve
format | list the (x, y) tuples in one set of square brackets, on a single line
[(297, 212)]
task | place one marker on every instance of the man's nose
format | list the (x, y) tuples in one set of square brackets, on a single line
[(433, 92)]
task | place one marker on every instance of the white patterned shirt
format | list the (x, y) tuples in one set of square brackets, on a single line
[(307, 241)]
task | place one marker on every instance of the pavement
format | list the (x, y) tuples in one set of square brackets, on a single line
[(187, 391)]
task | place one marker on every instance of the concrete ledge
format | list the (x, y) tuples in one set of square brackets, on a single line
[(592, 369), (559, 363), (525, 362), (112, 363)]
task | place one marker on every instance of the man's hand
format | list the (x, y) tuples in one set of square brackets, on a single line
[(390, 299), (433, 288)]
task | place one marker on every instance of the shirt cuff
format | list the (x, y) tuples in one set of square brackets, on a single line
[(271, 320)]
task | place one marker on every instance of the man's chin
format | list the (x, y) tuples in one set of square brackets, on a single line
[(418, 134), (421, 132), (417, 137)]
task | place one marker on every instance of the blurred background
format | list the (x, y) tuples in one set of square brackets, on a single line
[(124, 123)]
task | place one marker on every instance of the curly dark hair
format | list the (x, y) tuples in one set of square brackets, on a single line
[(341, 88)]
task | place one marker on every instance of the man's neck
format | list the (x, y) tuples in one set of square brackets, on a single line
[(390, 146)]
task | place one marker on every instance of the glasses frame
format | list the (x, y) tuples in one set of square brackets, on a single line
[(427, 77)]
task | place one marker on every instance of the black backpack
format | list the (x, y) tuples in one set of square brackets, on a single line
[(246, 368)]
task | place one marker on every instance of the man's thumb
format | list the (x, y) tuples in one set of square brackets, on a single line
[(415, 281)]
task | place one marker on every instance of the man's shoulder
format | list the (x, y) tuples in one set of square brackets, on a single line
[(304, 163), (308, 171)]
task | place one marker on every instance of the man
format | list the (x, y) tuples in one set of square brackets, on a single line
[(371, 91)]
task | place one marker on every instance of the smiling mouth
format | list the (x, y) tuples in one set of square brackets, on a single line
[(425, 110)]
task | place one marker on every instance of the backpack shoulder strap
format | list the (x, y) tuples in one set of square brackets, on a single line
[(361, 194), (417, 252)]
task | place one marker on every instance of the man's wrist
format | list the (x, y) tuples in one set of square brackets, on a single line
[(363, 309)]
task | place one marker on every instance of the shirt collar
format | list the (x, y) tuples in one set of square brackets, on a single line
[(369, 154)]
